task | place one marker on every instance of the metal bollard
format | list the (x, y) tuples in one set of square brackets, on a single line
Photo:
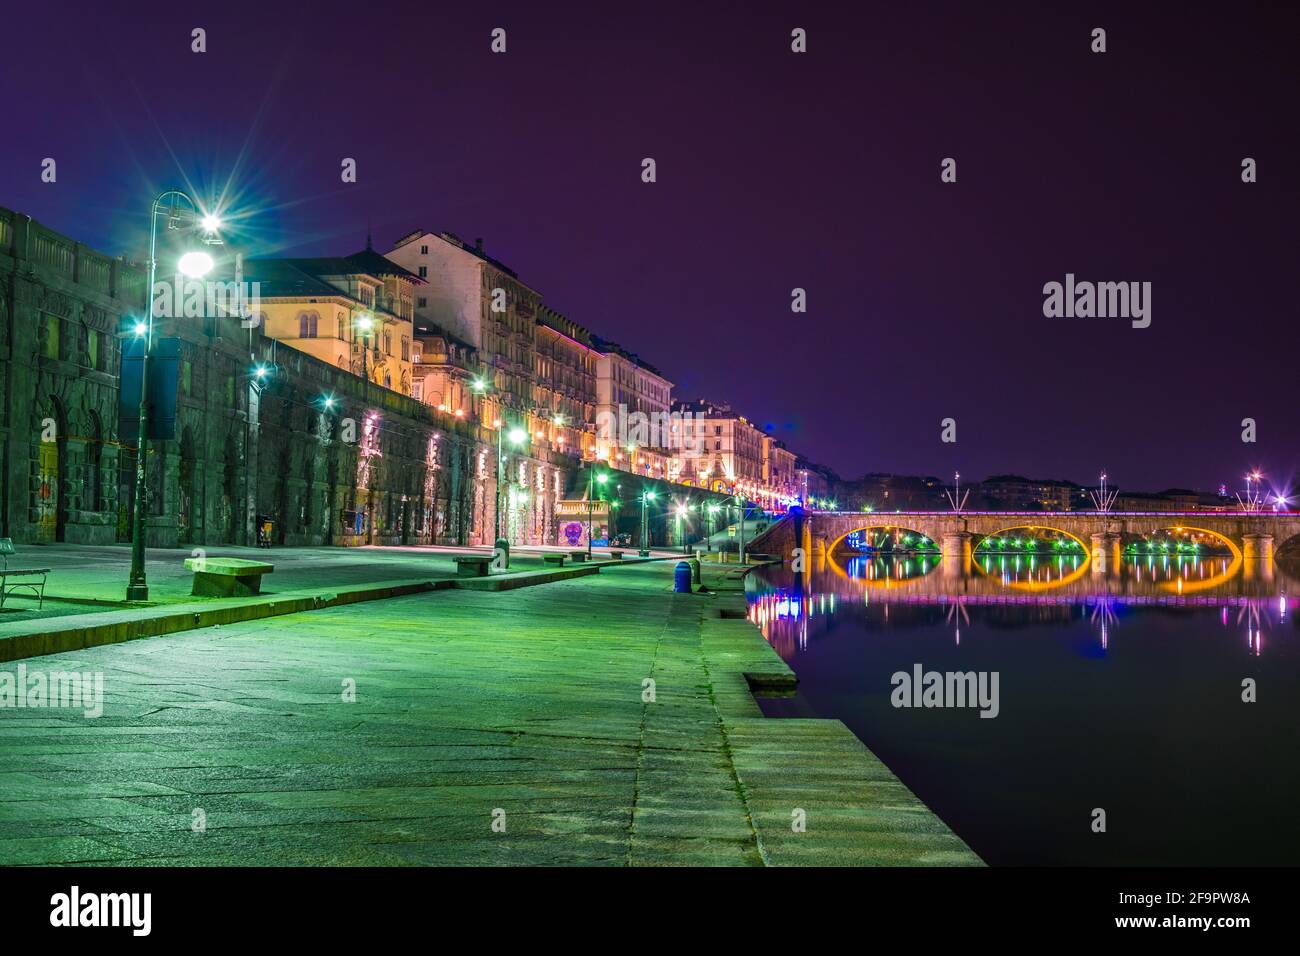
[(682, 578)]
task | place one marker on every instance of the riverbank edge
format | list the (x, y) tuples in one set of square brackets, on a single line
[(817, 795)]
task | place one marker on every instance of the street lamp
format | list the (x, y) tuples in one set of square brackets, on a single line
[(517, 436), (365, 323), (711, 510), (194, 264), (681, 528), (592, 477), (645, 525)]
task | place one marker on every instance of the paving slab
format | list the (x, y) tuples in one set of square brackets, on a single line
[(596, 719)]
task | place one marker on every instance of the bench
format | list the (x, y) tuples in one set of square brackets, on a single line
[(555, 559), (473, 565), (616, 555), (227, 577), (578, 556), (37, 587)]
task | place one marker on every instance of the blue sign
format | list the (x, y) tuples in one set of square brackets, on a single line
[(164, 377)]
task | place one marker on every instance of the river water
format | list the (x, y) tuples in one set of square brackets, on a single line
[(1119, 692)]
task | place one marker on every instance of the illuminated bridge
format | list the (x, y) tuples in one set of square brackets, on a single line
[(1102, 536)]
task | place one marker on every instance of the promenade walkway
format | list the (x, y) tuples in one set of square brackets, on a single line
[(525, 708)]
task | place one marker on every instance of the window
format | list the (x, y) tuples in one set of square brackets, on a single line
[(388, 343), (424, 250), (406, 349), (424, 272), (417, 390), (50, 337), (423, 301), (307, 325)]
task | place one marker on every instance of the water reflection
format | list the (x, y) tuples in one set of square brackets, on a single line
[(1120, 689), (786, 607)]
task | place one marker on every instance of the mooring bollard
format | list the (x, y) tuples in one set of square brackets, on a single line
[(503, 550), (682, 578), (695, 570)]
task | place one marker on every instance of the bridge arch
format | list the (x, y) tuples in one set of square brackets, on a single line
[(1082, 549), (916, 533), (1001, 532), (1218, 535)]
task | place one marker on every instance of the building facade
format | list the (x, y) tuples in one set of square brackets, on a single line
[(317, 453), (354, 311)]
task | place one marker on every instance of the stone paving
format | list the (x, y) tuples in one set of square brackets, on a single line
[(524, 707), (86, 578)]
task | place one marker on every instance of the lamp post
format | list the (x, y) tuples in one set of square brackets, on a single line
[(193, 264), (591, 478), (365, 323), (517, 436), (710, 510), (740, 506), (681, 528), (645, 523)]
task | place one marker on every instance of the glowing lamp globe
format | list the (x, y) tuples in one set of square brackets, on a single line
[(195, 264)]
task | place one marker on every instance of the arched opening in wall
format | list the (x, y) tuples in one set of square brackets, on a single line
[(1029, 539), (885, 539), (883, 555), (1182, 559), (310, 446), (1031, 557), (1287, 550), (125, 490), (92, 498), (188, 508), (1177, 542), (49, 471), (230, 509)]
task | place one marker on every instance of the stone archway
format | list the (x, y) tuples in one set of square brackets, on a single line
[(189, 505)]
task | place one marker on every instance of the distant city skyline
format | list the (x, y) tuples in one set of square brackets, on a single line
[(925, 298)]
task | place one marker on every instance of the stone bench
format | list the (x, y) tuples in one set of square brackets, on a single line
[(555, 559), (616, 555), (473, 565), (578, 555), (227, 577)]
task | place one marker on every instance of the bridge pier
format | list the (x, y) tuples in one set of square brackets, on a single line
[(956, 551), (1257, 546), (1105, 552), (956, 544)]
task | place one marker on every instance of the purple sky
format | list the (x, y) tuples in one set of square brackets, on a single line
[(775, 170)]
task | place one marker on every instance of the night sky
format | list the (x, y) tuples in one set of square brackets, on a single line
[(775, 171)]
